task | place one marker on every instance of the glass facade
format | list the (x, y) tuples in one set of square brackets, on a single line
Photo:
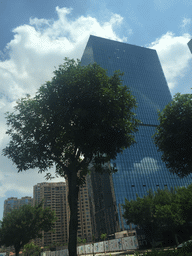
[(139, 167), (190, 45)]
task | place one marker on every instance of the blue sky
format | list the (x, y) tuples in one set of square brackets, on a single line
[(37, 35)]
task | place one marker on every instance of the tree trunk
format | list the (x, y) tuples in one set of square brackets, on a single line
[(176, 239), (73, 204), (17, 250)]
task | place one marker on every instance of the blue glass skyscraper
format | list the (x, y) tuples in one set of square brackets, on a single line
[(139, 167)]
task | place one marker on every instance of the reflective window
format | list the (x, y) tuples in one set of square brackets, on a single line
[(139, 167)]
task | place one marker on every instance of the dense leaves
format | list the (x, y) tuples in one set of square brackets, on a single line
[(174, 136), (31, 249), (21, 225), (81, 116), (142, 212), (161, 211), (81, 112)]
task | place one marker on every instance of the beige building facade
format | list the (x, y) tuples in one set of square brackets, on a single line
[(54, 195), (85, 225)]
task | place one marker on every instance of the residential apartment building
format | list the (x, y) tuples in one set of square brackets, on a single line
[(85, 221), (54, 195)]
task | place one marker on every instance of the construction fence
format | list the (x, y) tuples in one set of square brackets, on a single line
[(119, 244)]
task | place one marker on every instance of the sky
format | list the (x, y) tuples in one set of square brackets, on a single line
[(36, 36)]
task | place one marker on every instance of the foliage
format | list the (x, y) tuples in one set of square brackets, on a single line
[(79, 240), (168, 211), (166, 253), (31, 249), (81, 116), (170, 252), (24, 224), (161, 211), (142, 212), (173, 135), (184, 197), (187, 247), (80, 109), (104, 236)]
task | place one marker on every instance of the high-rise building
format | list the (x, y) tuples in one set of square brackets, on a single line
[(14, 203), (139, 167), (55, 197), (97, 213), (102, 204), (85, 221), (190, 45)]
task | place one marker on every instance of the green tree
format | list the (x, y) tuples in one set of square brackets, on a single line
[(173, 135), (31, 249), (81, 116), (168, 211), (184, 197), (24, 224), (163, 210), (142, 212)]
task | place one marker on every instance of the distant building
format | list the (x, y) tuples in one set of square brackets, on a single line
[(190, 45), (14, 203), (55, 197), (85, 222)]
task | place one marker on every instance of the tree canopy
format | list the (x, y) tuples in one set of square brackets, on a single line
[(24, 224), (173, 136), (81, 116), (163, 210), (142, 212)]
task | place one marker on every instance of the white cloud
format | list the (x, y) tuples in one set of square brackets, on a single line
[(42, 44), (185, 22), (174, 56)]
